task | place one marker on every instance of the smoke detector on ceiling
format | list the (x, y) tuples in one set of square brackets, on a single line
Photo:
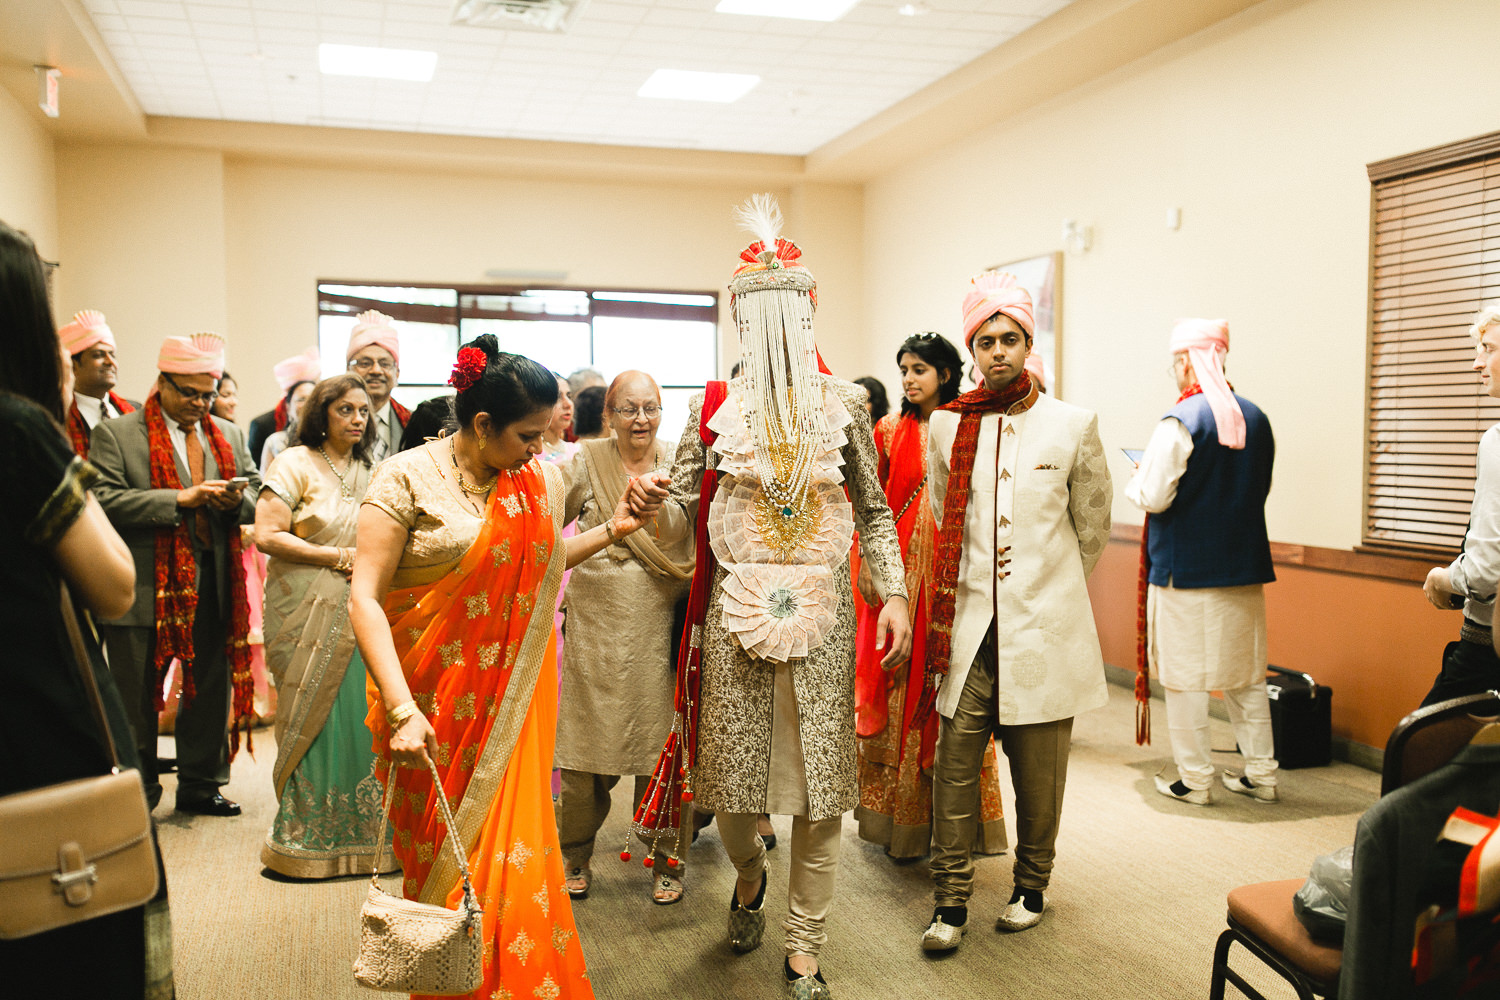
[(525, 15)]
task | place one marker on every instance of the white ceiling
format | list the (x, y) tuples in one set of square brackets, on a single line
[(256, 60)]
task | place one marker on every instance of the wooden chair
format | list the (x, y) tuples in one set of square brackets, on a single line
[(1261, 918)]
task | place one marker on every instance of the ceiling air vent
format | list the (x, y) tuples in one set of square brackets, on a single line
[(524, 15)]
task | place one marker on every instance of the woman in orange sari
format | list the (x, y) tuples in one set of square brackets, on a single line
[(459, 559), (895, 724)]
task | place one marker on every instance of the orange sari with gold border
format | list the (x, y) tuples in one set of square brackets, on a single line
[(473, 646)]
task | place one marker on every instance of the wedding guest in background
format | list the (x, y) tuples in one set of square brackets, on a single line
[(304, 367), (894, 720), (430, 418), (375, 355), (90, 343), (555, 446), (878, 404), (588, 414), (306, 522), (229, 398), (177, 483), (279, 441), (617, 663)]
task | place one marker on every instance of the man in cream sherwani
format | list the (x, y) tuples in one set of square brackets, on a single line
[(1021, 491)]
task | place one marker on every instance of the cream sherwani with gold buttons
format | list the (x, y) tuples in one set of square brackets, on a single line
[(1025, 650), (1037, 522)]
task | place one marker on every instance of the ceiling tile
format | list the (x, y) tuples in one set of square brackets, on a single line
[(818, 79)]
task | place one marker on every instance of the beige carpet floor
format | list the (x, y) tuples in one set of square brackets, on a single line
[(1136, 903)]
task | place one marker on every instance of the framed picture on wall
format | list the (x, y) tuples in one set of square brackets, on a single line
[(1042, 277)]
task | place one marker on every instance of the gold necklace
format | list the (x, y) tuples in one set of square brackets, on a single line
[(346, 494), (463, 484)]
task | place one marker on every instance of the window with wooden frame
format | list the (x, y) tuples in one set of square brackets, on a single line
[(670, 335), (1435, 258)]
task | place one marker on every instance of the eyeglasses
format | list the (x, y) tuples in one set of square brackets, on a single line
[(190, 397), (365, 364), (631, 412)]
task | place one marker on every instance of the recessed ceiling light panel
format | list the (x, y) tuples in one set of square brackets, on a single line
[(382, 64), (688, 85), (801, 10)]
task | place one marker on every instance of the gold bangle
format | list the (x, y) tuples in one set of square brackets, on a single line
[(398, 715), (609, 531)]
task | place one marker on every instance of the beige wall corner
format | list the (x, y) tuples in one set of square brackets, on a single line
[(143, 241), (28, 182)]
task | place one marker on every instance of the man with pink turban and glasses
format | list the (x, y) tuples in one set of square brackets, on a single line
[(375, 356), (1021, 493), (1203, 482)]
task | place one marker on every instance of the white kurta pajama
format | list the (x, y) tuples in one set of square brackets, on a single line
[(1203, 639), (1025, 650)]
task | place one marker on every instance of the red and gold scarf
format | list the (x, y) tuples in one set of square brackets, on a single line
[(176, 581), (1143, 587), (950, 541), (78, 428)]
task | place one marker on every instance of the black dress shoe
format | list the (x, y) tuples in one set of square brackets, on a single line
[(208, 805), (166, 765)]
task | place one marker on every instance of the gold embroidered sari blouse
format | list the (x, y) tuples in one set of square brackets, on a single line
[(411, 486)]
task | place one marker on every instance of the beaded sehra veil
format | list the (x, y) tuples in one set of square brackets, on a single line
[(780, 521)]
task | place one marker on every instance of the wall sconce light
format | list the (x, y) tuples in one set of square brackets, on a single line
[(47, 78), (1077, 239)]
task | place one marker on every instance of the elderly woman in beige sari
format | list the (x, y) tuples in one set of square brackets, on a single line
[(305, 522), (617, 679)]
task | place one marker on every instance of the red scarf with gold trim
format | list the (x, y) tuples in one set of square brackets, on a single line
[(950, 540), (78, 428), (176, 581), (1143, 587)]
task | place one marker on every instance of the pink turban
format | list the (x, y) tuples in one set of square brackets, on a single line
[(996, 292), (1206, 341), (1037, 370), (304, 367), (87, 329), (373, 327), (200, 354)]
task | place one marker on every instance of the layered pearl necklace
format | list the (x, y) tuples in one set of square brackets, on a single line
[(346, 492)]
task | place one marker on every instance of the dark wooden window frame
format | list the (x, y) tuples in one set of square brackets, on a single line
[(454, 314), (1434, 259)]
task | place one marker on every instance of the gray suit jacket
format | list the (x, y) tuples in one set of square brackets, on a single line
[(121, 451)]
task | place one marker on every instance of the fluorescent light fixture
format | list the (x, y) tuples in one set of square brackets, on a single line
[(382, 64), (801, 10), (688, 85)]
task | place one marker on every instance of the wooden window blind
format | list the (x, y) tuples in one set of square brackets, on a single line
[(1435, 258)]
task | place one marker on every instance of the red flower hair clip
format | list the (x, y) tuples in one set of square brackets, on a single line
[(469, 368)]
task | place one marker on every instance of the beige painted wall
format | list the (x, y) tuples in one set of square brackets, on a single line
[(143, 235), (1259, 130), (193, 240), (28, 184)]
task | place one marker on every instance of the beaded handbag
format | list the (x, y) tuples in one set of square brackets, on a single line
[(411, 947)]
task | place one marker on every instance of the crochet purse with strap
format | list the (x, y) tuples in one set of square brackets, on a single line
[(411, 947), (79, 849)]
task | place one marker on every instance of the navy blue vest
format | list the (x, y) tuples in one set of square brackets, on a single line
[(1214, 534)]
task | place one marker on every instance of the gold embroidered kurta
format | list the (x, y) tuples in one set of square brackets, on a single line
[(749, 704)]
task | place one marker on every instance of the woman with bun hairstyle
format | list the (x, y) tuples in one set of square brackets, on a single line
[(460, 557), (895, 725)]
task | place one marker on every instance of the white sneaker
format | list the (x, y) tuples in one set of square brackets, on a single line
[(1016, 917), (1244, 786), (1192, 796), (941, 936)]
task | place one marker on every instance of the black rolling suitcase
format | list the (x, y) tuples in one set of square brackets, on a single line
[(1301, 719)]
